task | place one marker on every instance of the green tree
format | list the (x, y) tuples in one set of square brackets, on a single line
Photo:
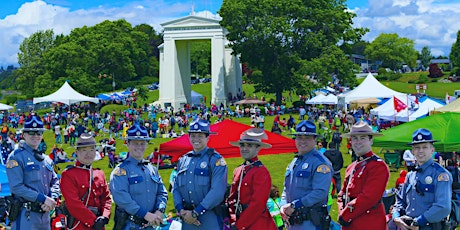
[(425, 56), (31, 59), (277, 38), (392, 50), (455, 52)]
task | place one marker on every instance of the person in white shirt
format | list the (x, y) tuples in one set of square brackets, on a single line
[(409, 158)]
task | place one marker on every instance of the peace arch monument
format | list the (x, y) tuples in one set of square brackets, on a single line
[(175, 65)]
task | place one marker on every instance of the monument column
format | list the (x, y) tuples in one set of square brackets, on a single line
[(218, 91)]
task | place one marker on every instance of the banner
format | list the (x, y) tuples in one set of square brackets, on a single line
[(398, 104)]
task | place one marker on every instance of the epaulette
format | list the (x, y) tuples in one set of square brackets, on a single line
[(258, 164), (68, 167), (375, 158), (439, 167), (320, 156)]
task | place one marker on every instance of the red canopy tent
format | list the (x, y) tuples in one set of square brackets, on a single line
[(227, 131)]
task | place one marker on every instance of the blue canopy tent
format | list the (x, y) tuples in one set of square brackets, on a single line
[(196, 98), (103, 97)]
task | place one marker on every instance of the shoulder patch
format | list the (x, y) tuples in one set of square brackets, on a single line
[(221, 162), (119, 172), (11, 164), (323, 169), (443, 177)]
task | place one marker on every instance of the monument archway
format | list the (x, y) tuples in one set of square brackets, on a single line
[(175, 64)]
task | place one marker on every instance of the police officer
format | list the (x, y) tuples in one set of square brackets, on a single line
[(425, 198), (306, 183), (85, 190), (251, 185), (359, 201), (32, 179), (201, 182), (136, 186)]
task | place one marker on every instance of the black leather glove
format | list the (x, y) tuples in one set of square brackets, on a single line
[(100, 222), (343, 222), (233, 227)]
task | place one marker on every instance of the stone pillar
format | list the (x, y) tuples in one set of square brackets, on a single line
[(218, 91)]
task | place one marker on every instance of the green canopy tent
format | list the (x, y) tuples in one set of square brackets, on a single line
[(445, 128)]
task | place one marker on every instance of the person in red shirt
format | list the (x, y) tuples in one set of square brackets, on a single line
[(360, 199), (85, 189), (251, 185), (401, 178)]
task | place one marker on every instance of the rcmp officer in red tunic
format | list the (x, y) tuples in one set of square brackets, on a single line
[(425, 198), (359, 201), (251, 185), (85, 190)]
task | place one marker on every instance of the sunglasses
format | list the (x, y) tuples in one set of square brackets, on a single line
[(36, 133)]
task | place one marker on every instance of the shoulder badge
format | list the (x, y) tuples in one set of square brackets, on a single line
[(221, 162), (11, 164), (323, 169), (443, 177), (119, 172)]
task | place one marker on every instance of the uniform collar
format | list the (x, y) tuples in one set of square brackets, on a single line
[(81, 165), (251, 161), (302, 156), (193, 153), (425, 165), (365, 156)]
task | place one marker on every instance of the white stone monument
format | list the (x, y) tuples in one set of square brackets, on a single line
[(175, 62)]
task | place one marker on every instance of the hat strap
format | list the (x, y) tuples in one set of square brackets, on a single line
[(252, 140)]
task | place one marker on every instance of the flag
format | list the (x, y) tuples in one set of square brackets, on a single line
[(447, 98), (398, 104)]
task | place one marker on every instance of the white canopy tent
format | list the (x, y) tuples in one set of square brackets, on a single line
[(5, 107), (67, 95), (369, 88), (387, 112), (316, 99), (330, 99), (387, 108)]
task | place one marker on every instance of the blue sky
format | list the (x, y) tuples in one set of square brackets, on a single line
[(432, 23)]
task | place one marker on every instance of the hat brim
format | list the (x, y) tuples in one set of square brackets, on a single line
[(420, 142), (303, 134), (138, 138), (261, 144), (86, 145), (191, 131), (33, 129), (348, 135)]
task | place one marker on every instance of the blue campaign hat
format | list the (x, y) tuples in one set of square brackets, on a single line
[(137, 133), (306, 128), (33, 123), (422, 136), (200, 126)]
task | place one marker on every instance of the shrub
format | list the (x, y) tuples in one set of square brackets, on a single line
[(435, 71)]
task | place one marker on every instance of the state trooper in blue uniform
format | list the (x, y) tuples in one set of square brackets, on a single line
[(307, 181), (201, 182), (136, 186), (425, 198), (32, 179)]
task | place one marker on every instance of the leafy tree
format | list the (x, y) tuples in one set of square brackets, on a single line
[(425, 56), (392, 50), (31, 59), (278, 38), (455, 52)]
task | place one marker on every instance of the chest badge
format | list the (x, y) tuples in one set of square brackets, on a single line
[(203, 164), (304, 165), (428, 180)]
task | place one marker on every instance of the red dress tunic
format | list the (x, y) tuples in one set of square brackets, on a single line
[(365, 188), (254, 192), (75, 184)]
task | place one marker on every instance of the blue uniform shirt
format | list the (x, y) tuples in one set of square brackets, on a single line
[(426, 194), (137, 188), (307, 180), (201, 181), (29, 178)]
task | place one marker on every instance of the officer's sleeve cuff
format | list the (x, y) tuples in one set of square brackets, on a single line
[(41, 198), (141, 212), (200, 209), (421, 220), (297, 204), (179, 207)]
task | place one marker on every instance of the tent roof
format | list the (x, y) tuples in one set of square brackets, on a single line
[(67, 95), (5, 107), (451, 107), (228, 130), (370, 87), (444, 127), (250, 101)]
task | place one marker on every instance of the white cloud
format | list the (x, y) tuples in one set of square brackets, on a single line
[(432, 23)]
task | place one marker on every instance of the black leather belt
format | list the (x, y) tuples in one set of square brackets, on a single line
[(33, 206)]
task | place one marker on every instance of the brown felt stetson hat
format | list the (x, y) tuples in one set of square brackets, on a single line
[(252, 136), (85, 140), (361, 128)]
